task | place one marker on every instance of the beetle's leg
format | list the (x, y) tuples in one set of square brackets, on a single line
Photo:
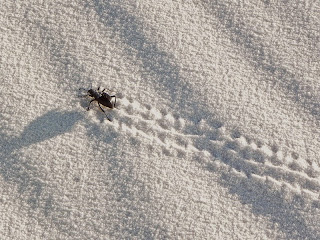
[(101, 108), (88, 108), (106, 89), (115, 99), (103, 111)]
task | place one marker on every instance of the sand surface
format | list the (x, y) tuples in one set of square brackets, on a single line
[(215, 134)]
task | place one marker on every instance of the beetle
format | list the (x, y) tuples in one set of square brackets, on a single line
[(102, 98)]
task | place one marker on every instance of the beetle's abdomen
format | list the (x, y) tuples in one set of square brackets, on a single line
[(105, 102)]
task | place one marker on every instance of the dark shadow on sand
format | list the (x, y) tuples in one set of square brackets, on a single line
[(261, 57), (17, 170)]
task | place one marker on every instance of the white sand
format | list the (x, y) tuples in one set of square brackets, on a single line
[(216, 132)]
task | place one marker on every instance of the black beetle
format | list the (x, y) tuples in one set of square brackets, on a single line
[(102, 98)]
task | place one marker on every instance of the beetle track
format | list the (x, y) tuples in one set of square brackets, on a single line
[(250, 159)]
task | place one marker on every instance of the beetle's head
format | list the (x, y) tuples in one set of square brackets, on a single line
[(91, 92)]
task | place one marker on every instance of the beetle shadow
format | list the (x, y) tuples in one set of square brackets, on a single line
[(49, 125), (160, 68), (18, 170)]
